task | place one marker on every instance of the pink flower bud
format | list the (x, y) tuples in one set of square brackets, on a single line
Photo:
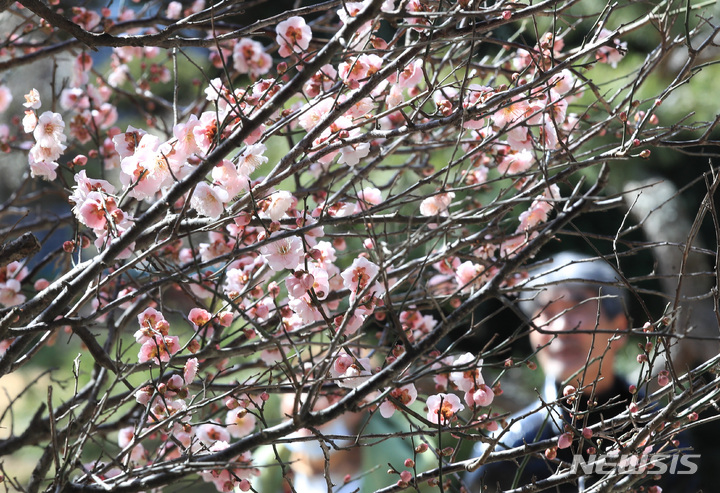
[(565, 440), (41, 284), (551, 453)]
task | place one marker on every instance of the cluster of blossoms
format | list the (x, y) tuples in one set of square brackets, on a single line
[(157, 345), (300, 265), (170, 402), (48, 131), (11, 276)]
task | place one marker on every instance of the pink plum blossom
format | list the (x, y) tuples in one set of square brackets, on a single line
[(305, 309), (249, 57), (313, 112), (252, 158), (159, 349), (353, 153), (43, 169), (29, 121), (226, 174), (482, 396), (240, 422), (321, 281), (369, 197), (510, 114), (293, 35), (466, 379), (350, 372), (127, 142), (284, 253), (152, 323), (299, 283), (516, 162), (147, 170), (199, 317), (278, 204), (183, 132), (357, 277), (206, 132), (539, 209), (412, 74), (437, 204), (209, 433), (92, 211), (190, 370), (406, 395), (443, 407), (614, 50), (209, 200), (5, 98), (361, 108), (468, 275), (174, 10), (10, 293)]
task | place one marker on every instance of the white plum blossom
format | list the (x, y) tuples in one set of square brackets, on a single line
[(278, 204), (32, 99), (208, 200), (252, 158)]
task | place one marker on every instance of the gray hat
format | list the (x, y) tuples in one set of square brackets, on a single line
[(577, 273)]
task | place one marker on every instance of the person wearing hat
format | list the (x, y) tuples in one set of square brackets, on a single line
[(577, 313)]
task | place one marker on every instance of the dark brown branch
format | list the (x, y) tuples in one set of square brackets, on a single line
[(25, 246)]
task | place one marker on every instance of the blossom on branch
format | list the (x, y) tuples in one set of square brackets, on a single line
[(293, 36), (442, 408)]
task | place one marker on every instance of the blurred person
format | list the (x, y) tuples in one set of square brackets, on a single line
[(578, 321), (357, 450)]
